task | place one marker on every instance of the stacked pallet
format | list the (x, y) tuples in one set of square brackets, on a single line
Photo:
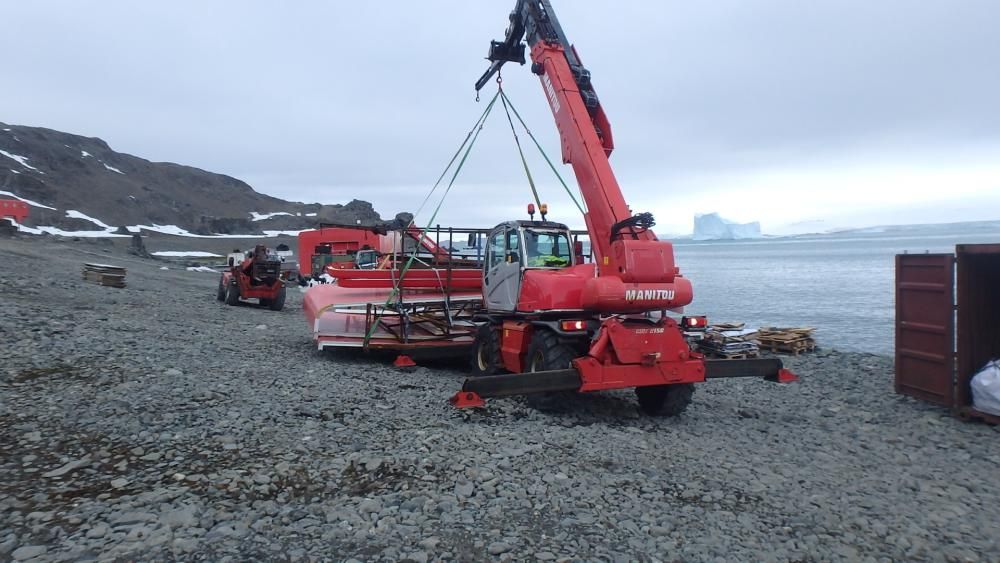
[(787, 340), (103, 274), (729, 341)]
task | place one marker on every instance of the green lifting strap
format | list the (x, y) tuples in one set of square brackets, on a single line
[(517, 141), (569, 192), (467, 144)]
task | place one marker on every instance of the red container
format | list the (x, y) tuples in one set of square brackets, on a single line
[(14, 209), (935, 293)]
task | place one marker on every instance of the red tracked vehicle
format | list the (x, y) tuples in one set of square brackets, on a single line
[(258, 276), (562, 325)]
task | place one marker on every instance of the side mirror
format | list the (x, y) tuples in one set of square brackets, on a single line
[(473, 240), (578, 251)]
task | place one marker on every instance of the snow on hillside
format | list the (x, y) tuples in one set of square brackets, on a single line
[(74, 214), (109, 231), (113, 169), (23, 161), (63, 233), (292, 233), (254, 216), (26, 200)]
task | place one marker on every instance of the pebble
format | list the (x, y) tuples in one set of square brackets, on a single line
[(496, 548), (181, 434), (29, 552)]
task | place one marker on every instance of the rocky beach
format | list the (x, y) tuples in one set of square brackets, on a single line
[(155, 423)]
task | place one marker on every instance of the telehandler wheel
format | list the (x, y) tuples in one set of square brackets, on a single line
[(665, 400), (486, 351), (278, 302), (220, 294), (232, 293), (546, 353)]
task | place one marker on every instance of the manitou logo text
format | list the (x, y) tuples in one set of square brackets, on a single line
[(649, 294), (551, 92)]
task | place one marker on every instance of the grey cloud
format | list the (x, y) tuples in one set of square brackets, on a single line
[(338, 100)]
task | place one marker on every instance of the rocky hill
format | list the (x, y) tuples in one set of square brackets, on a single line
[(77, 183)]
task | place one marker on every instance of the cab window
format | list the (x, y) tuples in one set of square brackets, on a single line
[(513, 245), (547, 249), (496, 249)]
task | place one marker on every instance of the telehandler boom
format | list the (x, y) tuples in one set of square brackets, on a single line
[(558, 324)]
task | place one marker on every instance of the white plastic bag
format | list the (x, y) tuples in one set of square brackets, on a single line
[(986, 389)]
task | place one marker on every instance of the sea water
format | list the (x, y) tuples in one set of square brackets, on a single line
[(841, 284)]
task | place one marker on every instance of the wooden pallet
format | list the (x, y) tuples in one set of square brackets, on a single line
[(733, 356), (104, 274), (794, 347)]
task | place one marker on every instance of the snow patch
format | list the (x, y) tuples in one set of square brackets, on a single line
[(59, 232), (112, 168), (109, 231), (279, 233), (201, 269), (85, 154), (310, 214), (164, 268), (28, 201), (7, 129), (74, 214), (165, 229), (254, 216), (22, 160), (186, 253)]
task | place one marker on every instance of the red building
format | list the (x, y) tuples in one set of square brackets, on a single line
[(13, 209)]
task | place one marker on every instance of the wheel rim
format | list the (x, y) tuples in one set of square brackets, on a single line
[(481, 357), (536, 359)]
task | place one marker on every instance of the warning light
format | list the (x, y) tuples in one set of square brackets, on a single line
[(570, 326), (531, 211), (699, 322), (543, 208)]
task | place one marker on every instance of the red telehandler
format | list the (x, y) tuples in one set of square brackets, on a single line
[(257, 276), (555, 323)]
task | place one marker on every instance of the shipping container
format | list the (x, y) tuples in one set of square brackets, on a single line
[(947, 324)]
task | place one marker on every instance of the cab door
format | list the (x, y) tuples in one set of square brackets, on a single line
[(502, 272)]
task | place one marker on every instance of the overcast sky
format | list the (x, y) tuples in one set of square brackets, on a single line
[(849, 112)]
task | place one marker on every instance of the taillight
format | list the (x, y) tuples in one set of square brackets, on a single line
[(699, 322), (570, 326)]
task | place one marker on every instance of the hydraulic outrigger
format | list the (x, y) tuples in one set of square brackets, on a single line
[(558, 324)]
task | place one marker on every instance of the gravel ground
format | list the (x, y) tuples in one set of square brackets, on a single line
[(155, 423)]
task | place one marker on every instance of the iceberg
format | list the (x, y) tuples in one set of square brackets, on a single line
[(711, 226)]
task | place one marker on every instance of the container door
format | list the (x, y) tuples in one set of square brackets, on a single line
[(925, 327)]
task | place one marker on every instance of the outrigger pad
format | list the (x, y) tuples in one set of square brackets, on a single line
[(785, 375), (466, 400), (403, 361)]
